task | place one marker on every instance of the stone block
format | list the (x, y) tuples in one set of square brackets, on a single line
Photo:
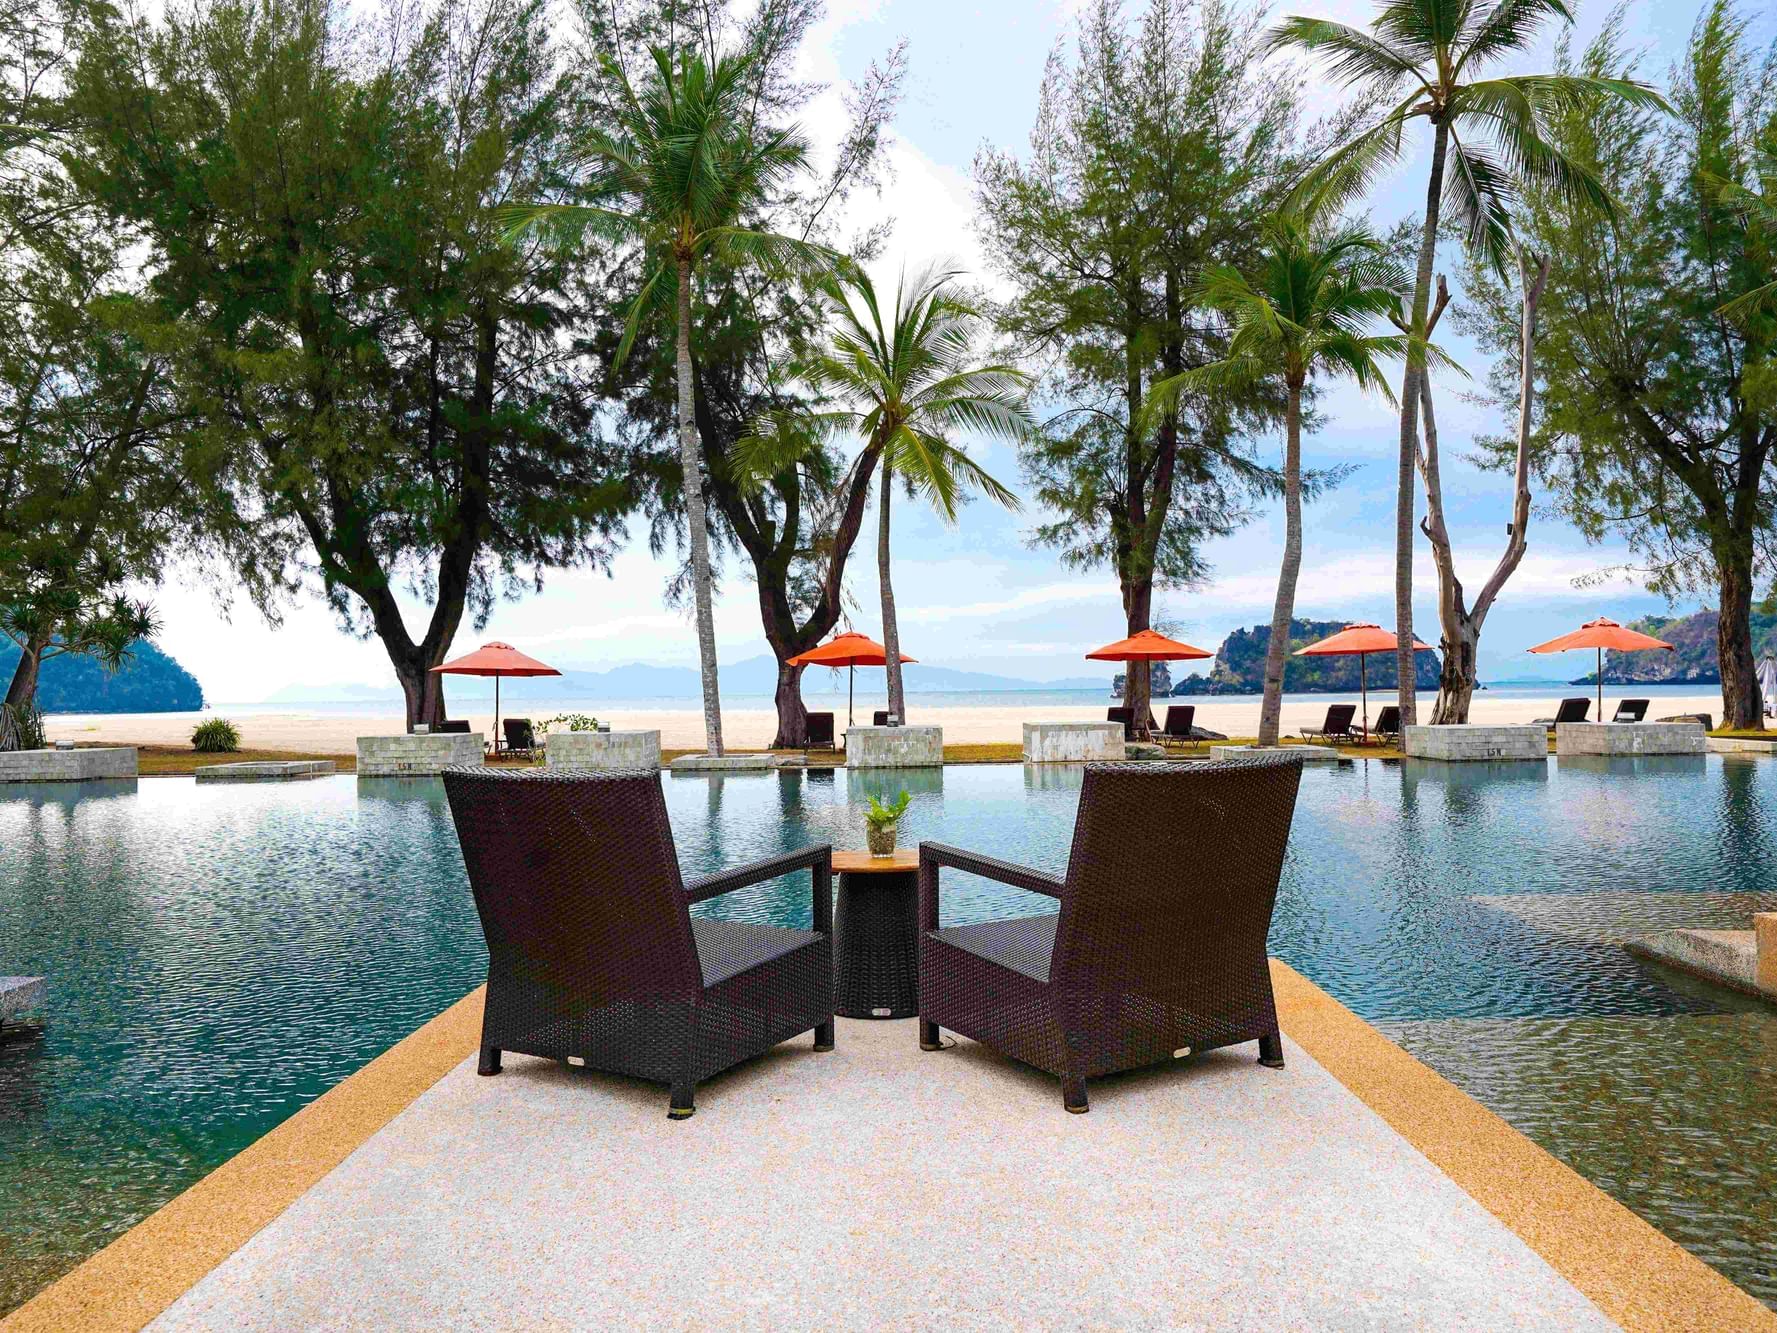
[(602, 749), (1764, 931), (1464, 743), (1739, 745), (86, 765), (735, 763), (417, 755), (20, 994), (894, 747), (1622, 738), (280, 770), (1072, 742)]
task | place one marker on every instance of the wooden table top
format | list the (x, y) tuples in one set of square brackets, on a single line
[(862, 863)]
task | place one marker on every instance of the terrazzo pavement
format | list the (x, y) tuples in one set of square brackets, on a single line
[(878, 1186)]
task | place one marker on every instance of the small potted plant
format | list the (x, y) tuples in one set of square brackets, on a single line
[(880, 822)]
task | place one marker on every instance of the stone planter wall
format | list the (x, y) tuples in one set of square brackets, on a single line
[(67, 765), (281, 770), (1615, 738), (416, 756), (602, 749), (894, 747), (1072, 742), (1475, 744)]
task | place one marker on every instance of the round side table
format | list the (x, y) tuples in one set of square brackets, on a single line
[(876, 935)]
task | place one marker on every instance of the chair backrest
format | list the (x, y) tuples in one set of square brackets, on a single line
[(518, 733), (459, 727), (1173, 873), (576, 882), (820, 729), (1573, 710), (1630, 710), (1180, 719), (1339, 718), (1388, 721), (1124, 715), (879, 718)]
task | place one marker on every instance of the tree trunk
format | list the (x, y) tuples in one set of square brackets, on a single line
[(1741, 705), (1138, 677), (1277, 651), (422, 689), (891, 632), (22, 692), (792, 713), (1406, 491), (697, 523), (1459, 624)]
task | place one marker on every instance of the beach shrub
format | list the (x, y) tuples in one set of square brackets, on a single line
[(216, 736), (21, 727), (569, 721)]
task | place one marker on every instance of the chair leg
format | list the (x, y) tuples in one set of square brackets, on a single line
[(490, 1060), (823, 1036), (1073, 1095), (1271, 1051), (928, 1037), (682, 1104)]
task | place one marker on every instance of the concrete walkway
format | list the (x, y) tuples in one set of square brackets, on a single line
[(879, 1186)]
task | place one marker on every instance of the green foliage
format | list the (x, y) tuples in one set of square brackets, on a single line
[(568, 721), (883, 816), (216, 735), (1153, 152), (21, 727)]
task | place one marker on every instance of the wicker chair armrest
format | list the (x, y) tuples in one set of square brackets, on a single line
[(1006, 872), (818, 859)]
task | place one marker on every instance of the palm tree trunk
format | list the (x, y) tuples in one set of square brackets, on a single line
[(22, 691), (1277, 651), (691, 460), (1406, 490), (891, 632)]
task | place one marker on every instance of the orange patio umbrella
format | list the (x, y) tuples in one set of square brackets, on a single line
[(1601, 634), (852, 650), (1145, 646), (1359, 641), (496, 659)]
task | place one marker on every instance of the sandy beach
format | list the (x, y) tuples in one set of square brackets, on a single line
[(752, 728)]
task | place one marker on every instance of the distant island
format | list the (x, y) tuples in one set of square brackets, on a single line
[(1240, 665), (1694, 660), (150, 682)]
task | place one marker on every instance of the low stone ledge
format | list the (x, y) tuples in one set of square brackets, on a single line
[(1615, 738), (602, 749), (735, 763), (1739, 745), (1310, 754), (88, 765), (1072, 742), (894, 747), (420, 755), (1730, 958), (279, 770), (1468, 743), (21, 994)]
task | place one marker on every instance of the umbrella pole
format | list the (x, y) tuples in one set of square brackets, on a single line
[(1601, 682), (851, 692), (496, 717), (1363, 685)]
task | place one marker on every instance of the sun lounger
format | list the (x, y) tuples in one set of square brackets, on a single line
[(1181, 726), (1156, 947), (1630, 710), (820, 731), (1337, 726), (1571, 710), (1127, 717)]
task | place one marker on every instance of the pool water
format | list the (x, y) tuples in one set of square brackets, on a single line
[(220, 955)]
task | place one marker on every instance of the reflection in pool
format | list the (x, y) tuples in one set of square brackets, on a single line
[(219, 956)]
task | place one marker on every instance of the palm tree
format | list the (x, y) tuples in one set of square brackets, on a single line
[(678, 168), (1488, 138), (904, 385), (1303, 313)]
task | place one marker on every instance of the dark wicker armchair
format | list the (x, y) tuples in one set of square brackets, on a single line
[(1157, 948), (593, 955)]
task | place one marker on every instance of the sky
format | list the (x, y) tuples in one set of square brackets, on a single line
[(978, 595)]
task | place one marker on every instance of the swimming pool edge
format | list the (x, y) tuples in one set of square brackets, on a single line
[(1635, 1274)]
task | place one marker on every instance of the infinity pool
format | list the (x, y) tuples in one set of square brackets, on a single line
[(219, 956)]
